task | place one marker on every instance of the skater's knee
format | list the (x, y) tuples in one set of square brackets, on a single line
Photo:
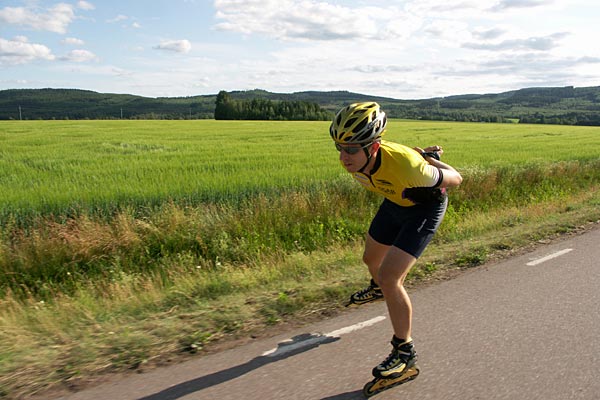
[(395, 266), (374, 253), (368, 259), (372, 260), (392, 275)]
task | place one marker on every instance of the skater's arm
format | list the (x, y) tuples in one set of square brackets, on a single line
[(451, 177)]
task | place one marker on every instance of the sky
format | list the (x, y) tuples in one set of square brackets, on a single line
[(404, 49)]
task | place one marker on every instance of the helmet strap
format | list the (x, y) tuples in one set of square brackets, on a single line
[(367, 151)]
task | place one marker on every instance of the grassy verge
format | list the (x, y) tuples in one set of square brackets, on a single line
[(157, 292)]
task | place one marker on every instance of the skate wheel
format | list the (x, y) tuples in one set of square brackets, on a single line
[(368, 389), (378, 385)]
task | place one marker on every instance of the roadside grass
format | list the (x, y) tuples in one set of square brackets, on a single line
[(143, 320), (115, 278), (57, 257)]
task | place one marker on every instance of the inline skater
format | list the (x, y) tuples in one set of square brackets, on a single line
[(412, 182)]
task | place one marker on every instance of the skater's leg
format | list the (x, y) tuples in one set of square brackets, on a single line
[(392, 272), (373, 256)]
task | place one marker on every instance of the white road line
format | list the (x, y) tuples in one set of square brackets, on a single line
[(549, 257), (288, 346)]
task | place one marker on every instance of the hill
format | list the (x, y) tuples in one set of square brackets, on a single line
[(554, 105), (85, 104)]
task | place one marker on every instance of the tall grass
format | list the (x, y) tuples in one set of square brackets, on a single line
[(57, 257)]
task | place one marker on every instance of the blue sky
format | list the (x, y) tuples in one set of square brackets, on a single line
[(405, 49)]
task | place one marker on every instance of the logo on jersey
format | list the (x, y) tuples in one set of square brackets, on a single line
[(386, 190), (363, 179), (384, 182)]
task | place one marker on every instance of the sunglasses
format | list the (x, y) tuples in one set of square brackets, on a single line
[(350, 150)]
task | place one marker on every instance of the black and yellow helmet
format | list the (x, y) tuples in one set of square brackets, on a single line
[(358, 123)]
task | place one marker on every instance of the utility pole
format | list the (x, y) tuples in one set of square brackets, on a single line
[(20, 115), (121, 113)]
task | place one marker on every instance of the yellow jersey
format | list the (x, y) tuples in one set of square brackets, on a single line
[(397, 168)]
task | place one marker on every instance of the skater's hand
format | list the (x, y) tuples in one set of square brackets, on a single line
[(431, 149)]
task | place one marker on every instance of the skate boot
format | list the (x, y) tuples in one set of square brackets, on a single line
[(367, 295), (399, 367), (402, 357)]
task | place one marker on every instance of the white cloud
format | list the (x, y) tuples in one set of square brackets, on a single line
[(79, 56), (85, 5), (507, 4), (445, 9), (478, 8), (72, 41), (118, 18), (487, 34), (534, 64), (55, 19), (178, 46), (20, 51), (121, 17), (544, 43), (451, 32), (311, 20)]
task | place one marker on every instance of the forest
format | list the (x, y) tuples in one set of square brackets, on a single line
[(228, 108)]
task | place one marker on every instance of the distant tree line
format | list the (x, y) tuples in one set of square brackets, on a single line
[(228, 108), (565, 106), (551, 117), (65, 104)]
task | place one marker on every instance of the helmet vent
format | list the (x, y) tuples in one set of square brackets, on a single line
[(349, 123), (360, 126)]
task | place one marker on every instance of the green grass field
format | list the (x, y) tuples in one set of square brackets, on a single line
[(127, 243), (92, 165), (60, 167)]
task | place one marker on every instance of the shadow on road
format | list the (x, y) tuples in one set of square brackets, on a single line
[(297, 345), (356, 395)]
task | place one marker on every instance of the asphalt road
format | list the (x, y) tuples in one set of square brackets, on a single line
[(524, 328)]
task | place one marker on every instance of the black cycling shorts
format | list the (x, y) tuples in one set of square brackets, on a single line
[(407, 228)]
